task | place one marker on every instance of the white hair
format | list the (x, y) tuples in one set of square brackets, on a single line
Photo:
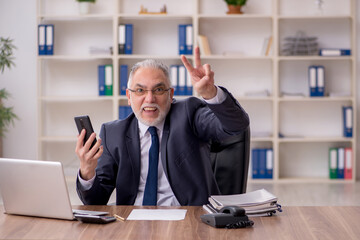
[(149, 63)]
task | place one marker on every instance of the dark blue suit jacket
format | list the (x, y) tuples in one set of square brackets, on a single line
[(189, 127)]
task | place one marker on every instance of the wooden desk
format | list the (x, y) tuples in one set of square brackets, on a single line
[(293, 223)]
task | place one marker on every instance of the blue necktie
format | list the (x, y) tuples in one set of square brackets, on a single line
[(150, 193)]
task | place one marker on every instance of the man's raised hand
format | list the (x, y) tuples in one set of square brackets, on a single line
[(202, 78)]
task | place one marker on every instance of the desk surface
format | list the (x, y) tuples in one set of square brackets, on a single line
[(292, 223)]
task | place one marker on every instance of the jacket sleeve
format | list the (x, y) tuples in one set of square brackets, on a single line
[(105, 179), (219, 121)]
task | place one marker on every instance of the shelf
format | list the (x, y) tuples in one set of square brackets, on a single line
[(301, 180), (314, 139), (314, 58), (58, 139), (68, 81), (313, 180), (312, 18), (236, 57), (87, 17), (235, 16), (154, 16), (64, 99), (140, 57), (261, 181), (73, 57), (315, 99), (243, 98), (60, 99), (122, 97), (261, 139)]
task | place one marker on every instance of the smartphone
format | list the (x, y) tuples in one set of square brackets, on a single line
[(83, 122), (94, 219)]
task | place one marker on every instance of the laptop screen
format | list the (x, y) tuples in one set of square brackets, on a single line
[(34, 188)]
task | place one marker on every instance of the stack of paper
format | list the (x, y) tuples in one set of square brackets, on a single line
[(256, 202), (260, 93), (93, 50)]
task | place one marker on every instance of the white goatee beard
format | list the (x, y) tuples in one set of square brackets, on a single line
[(159, 119)]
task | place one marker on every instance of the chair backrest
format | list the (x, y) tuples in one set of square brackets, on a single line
[(230, 163)]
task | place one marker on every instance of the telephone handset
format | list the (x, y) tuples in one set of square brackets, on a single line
[(228, 217)]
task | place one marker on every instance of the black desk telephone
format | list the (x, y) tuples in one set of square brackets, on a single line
[(228, 217)]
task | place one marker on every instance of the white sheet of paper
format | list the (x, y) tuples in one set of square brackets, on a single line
[(157, 214)]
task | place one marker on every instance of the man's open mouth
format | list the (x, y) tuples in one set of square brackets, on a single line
[(149, 109)]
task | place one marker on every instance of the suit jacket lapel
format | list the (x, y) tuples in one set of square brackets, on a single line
[(164, 140), (133, 148)]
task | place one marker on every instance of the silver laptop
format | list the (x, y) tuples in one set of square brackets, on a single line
[(36, 188)]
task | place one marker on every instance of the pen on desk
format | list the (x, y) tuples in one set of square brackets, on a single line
[(119, 218)]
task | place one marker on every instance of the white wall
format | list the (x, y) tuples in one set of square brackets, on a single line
[(18, 21)]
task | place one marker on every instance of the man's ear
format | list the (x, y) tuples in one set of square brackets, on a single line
[(128, 96), (171, 94)]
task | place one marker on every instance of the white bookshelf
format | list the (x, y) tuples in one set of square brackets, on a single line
[(67, 80)]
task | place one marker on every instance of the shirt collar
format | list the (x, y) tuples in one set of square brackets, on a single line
[(143, 128)]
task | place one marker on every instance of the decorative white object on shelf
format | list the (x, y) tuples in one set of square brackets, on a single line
[(320, 9), (84, 6)]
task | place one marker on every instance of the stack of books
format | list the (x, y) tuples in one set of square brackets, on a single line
[(259, 202), (204, 45), (267, 46)]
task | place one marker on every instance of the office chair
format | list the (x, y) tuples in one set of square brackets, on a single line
[(230, 163)]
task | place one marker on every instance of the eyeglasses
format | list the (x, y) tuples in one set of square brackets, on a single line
[(156, 91)]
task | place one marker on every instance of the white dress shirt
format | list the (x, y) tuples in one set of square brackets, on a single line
[(165, 195)]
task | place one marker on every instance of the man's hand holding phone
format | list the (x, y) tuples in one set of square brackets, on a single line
[(87, 154)]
